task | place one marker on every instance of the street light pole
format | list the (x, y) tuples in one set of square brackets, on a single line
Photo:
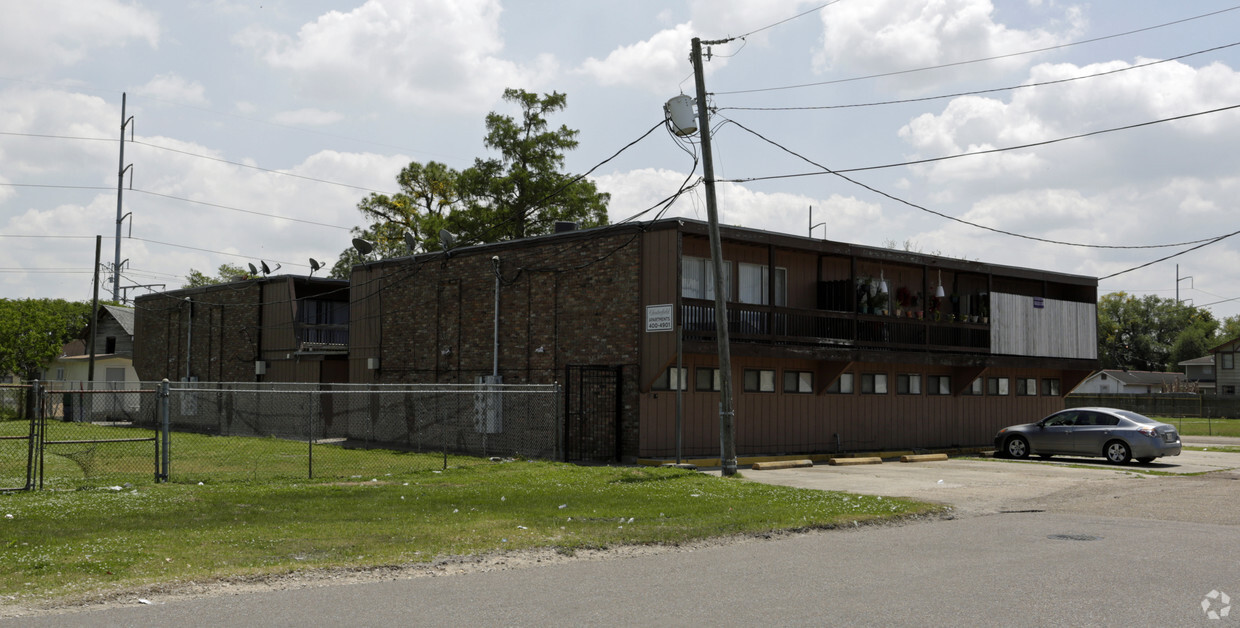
[(727, 417)]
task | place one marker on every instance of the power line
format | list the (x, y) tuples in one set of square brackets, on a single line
[(961, 220), (238, 209), (972, 61), (826, 170), (786, 20), (982, 91)]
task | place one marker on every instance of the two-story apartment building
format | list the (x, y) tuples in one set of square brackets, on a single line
[(272, 329), (834, 347), (1227, 376)]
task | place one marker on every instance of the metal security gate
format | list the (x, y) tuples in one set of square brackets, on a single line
[(592, 413)]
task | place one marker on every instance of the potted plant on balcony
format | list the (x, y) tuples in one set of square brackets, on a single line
[(879, 302)]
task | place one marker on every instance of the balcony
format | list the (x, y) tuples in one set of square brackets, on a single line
[(763, 324)]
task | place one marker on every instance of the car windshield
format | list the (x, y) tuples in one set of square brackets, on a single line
[(1139, 418)]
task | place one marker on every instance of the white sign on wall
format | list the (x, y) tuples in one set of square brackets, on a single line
[(660, 318)]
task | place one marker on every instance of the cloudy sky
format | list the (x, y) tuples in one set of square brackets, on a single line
[(259, 125)]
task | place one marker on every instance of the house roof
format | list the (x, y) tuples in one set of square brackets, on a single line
[(1205, 360), (1141, 378), (1220, 346), (123, 316)]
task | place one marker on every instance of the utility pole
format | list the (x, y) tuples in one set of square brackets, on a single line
[(727, 417), (120, 187), (1178, 279)]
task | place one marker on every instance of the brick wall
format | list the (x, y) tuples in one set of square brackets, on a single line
[(221, 346), (572, 299)]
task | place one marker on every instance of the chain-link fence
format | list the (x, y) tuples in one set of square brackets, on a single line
[(186, 432), (342, 430)]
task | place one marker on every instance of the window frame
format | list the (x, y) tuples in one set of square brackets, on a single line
[(1001, 387), (837, 387), (760, 383), (664, 380), (1027, 384), (939, 385), (1227, 360), (874, 380), (798, 382), (1050, 387), (716, 378), (907, 382), (703, 270), (744, 269)]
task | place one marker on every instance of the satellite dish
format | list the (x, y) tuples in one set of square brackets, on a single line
[(314, 265), (253, 270), (411, 242), (266, 270), (447, 239), (363, 246)]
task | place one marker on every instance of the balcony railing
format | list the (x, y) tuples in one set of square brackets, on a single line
[(322, 336), (789, 326)]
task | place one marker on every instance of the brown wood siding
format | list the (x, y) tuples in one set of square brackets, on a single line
[(278, 337), (365, 330), (796, 423), (660, 285), (1058, 329)]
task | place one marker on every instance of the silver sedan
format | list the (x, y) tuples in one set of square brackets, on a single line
[(1117, 435)]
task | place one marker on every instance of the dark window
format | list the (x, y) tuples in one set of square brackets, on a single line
[(759, 380), (843, 385), (1050, 388), (1026, 387), (873, 383), (707, 379), (907, 384), (798, 381), (1228, 360), (670, 379), (997, 386), (938, 385), (109, 344)]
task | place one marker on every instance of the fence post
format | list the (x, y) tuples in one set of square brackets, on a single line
[(36, 407), (161, 474)]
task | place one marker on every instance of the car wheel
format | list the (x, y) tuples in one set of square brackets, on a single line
[(1145, 460), (1016, 447), (1117, 451)]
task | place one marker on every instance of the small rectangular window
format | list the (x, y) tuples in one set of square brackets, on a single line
[(997, 386), (843, 385), (1026, 387), (938, 385), (707, 380), (798, 381), (907, 384), (1228, 360), (671, 379), (873, 383), (759, 380), (1050, 387)]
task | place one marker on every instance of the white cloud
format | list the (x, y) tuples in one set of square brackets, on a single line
[(307, 117), (40, 36), (173, 87), (440, 54), (659, 64), (892, 35)]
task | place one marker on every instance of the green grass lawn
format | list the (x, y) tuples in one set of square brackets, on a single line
[(64, 544), (1203, 427)]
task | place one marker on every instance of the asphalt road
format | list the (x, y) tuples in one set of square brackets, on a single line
[(1031, 544)]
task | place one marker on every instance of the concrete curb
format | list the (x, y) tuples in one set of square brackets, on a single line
[(846, 462), (781, 464), (924, 458)]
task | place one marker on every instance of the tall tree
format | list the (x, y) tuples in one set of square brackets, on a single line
[(226, 273), (1150, 333), (33, 332), (520, 193)]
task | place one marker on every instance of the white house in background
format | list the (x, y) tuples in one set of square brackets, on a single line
[(1118, 382), (113, 354), (1200, 371)]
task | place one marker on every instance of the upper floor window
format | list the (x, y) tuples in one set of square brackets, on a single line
[(1227, 360), (755, 284), (697, 277)]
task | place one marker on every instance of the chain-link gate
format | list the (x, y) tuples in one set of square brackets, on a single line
[(88, 436), (18, 437)]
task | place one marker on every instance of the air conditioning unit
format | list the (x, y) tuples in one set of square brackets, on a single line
[(372, 364), (260, 367)]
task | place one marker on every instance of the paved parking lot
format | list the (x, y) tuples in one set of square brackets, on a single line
[(1194, 486)]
